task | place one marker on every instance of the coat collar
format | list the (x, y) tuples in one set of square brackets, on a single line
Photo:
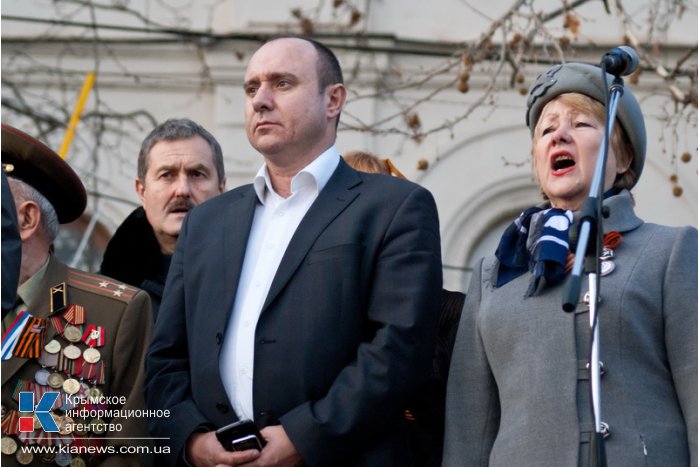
[(133, 253), (622, 217)]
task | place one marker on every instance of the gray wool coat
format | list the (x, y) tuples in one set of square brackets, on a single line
[(518, 390)]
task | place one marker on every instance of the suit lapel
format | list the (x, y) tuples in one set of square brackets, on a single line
[(332, 200), (56, 272), (237, 224)]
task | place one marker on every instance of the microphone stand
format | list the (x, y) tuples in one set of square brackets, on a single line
[(589, 247)]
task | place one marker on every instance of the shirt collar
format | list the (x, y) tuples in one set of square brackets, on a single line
[(316, 174)]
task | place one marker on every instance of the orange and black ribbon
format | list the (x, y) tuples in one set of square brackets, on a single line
[(31, 341), (611, 240)]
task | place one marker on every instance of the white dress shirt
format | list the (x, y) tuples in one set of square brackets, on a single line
[(274, 223)]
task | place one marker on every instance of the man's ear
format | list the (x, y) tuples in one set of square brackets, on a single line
[(28, 219), (139, 186), (336, 93)]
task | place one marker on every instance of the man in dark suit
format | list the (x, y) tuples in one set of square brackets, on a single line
[(307, 301)]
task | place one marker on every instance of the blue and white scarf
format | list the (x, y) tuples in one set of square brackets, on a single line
[(537, 241)]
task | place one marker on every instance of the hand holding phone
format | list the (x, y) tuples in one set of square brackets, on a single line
[(241, 436)]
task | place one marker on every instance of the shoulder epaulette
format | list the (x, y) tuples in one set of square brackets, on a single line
[(101, 285)]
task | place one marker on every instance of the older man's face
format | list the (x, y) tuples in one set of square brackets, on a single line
[(181, 174)]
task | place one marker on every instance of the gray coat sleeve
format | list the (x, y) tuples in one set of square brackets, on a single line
[(680, 305), (472, 411)]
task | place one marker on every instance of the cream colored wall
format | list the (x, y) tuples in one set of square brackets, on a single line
[(479, 172)]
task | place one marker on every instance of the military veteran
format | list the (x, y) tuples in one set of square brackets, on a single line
[(74, 338)]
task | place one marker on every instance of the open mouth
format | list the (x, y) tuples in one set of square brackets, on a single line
[(562, 162)]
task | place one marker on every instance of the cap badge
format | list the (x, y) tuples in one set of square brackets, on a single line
[(543, 82)]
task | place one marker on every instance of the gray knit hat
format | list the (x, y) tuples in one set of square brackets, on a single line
[(586, 79)]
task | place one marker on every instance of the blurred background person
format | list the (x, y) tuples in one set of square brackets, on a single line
[(425, 415), (180, 165), (518, 389), (366, 162), (11, 248)]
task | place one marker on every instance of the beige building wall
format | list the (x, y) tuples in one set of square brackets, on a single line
[(478, 170)]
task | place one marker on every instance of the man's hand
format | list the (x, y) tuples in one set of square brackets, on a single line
[(279, 450), (204, 450)]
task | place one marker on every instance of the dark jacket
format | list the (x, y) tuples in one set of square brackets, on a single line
[(133, 256), (11, 248), (337, 356), (426, 414)]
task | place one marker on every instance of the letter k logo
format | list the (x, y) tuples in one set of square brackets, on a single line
[(26, 404)]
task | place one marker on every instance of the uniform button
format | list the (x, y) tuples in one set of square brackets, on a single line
[(263, 413), (221, 407), (605, 430), (219, 338)]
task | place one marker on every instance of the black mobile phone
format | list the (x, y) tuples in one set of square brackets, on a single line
[(241, 436)]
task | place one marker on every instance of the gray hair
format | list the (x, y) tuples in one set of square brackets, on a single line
[(22, 192), (176, 129)]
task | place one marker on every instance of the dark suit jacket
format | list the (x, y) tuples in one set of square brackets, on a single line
[(346, 333), (11, 248)]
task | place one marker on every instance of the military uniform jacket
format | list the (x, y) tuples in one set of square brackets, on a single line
[(518, 386), (124, 314)]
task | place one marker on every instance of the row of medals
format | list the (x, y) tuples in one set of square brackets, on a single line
[(70, 386)]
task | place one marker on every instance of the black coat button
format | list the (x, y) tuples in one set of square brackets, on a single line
[(219, 338), (223, 408)]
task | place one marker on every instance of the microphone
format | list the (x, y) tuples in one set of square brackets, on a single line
[(620, 61)]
